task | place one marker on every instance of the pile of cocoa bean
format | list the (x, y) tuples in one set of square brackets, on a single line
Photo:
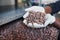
[(36, 17), (17, 30)]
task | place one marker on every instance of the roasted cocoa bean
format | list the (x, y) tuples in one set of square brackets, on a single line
[(18, 31), (36, 17)]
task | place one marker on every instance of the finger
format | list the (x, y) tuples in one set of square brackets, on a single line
[(38, 25), (26, 14), (25, 22), (29, 25), (47, 22)]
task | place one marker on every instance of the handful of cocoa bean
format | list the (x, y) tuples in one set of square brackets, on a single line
[(36, 17)]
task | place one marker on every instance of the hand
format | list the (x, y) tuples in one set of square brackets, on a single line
[(49, 17), (36, 9)]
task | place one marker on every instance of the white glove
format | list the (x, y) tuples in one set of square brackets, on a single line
[(36, 9), (49, 17)]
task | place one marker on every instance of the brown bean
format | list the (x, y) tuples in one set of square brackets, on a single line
[(37, 17)]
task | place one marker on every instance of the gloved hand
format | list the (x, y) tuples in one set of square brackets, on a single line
[(49, 18), (35, 9)]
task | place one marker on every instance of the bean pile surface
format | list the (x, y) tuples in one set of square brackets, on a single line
[(17, 30), (36, 17)]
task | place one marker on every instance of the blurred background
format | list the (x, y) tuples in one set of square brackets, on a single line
[(13, 9)]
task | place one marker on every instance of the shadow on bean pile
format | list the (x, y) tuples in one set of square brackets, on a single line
[(18, 31)]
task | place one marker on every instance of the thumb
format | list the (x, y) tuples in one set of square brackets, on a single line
[(26, 14), (47, 22)]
